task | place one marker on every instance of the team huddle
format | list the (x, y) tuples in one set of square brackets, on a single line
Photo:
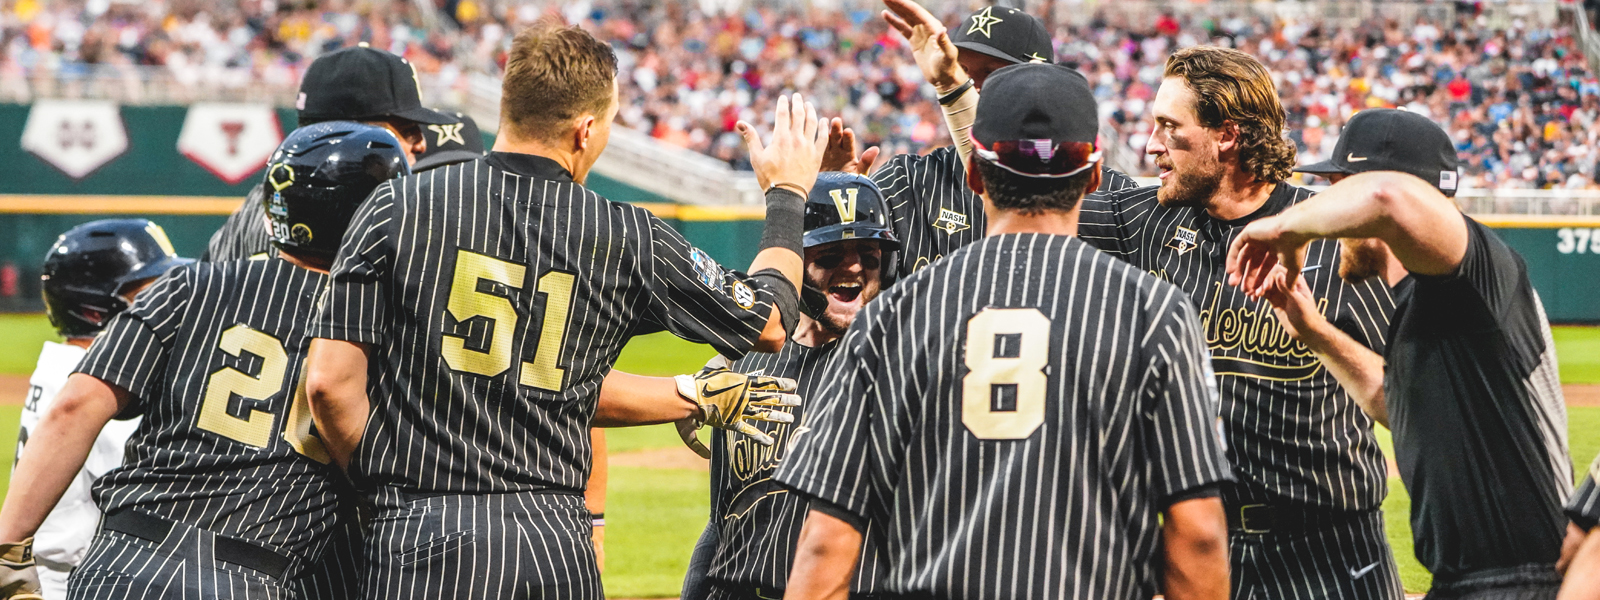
[(998, 370)]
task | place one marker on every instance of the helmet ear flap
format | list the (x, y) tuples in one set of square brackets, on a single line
[(813, 301)]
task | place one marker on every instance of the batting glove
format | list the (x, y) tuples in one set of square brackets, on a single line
[(729, 399), (18, 579)]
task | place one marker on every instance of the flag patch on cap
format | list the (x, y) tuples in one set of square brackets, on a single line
[(300, 102), (1447, 180)]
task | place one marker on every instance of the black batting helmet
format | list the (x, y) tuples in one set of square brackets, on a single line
[(319, 175), (92, 265), (845, 206)]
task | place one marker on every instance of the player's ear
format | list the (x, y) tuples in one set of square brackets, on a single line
[(1094, 179), (580, 136), (974, 180), (1227, 136)]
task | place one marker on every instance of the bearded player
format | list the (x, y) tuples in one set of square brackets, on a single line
[(749, 544)]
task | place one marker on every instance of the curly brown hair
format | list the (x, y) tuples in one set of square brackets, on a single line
[(1230, 85), (555, 74)]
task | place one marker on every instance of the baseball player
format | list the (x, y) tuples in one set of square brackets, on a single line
[(748, 545), (1028, 417), (352, 84), (1581, 552), (92, 273), (934, 211), (225, 491), (1309, 478), (486, 300), (1468, 379)]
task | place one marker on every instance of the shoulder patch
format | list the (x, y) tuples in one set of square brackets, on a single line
[(706, 269)]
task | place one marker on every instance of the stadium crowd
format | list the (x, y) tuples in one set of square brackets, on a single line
[(1518, 100)]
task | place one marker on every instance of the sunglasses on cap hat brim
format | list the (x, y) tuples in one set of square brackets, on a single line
[(1039, 158)]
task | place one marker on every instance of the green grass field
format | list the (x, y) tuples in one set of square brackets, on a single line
[(654, 516)]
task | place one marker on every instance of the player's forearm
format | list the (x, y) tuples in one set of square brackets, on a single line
[(628, 400), (1195, 540), (55, 453), (824, 559), (959, 113), (780, 250), (1421, 226), (336, 388), (1357, 368), (1583, 573)]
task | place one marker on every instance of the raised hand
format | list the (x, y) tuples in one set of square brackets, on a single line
[(794, 156), (1262, 246), (930, 43), (840, 154)]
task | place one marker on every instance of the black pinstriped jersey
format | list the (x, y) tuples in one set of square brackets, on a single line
[(243, 235), (1292, 432), (758, 520), (1584, 508), (934, 211), (212, 353), (497, 293), (1013, 419)]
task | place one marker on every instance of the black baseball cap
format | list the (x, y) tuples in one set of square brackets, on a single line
[(1042, 111), (1387, 139), (1005, 33), (450, 143), (362, 84)]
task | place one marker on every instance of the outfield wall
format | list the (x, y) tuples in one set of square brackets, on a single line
[(186, 168)]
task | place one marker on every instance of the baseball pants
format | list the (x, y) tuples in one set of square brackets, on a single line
[(136, 555), (1347, 558), (488, 546)]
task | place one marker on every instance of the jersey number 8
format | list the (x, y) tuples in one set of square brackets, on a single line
[(467, 302), (1023, 374)]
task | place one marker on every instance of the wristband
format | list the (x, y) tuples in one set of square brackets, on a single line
[(950, 97), (786, 214)]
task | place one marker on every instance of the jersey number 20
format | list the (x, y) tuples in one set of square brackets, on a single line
[(1023, 373), (255, 427), (466, 302)]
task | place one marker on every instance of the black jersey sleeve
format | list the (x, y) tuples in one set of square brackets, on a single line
[(1491, 267), (1182, 437), (243, 235), (352, 308), (1100, 223), (698, 300), (132, 352), (836, 454), (1584, 508)]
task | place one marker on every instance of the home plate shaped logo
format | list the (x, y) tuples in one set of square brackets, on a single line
[(232, 141), (75, 136)]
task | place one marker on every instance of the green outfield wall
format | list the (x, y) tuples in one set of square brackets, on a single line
[(188, 167)]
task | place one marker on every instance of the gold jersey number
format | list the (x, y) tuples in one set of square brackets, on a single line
[(256, 426), (468, 302), (1024, 373)]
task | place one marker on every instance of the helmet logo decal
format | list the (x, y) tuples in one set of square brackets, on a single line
[(160, 236), (279, 176), (300, 234), (845, 200), (450, 132)]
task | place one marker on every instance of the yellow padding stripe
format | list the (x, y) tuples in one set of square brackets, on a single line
[(91, 205), (1536, 221), (220, 205)]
